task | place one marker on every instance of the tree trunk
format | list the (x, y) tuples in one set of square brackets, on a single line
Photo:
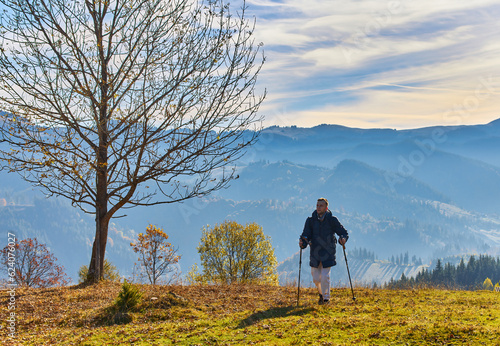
[(96, 266)]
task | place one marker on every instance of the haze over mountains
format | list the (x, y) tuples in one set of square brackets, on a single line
[(430, 192)]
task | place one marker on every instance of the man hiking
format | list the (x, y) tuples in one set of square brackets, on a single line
[(319, 232)]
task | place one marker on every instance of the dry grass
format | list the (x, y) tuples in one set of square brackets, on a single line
[(266, 315)]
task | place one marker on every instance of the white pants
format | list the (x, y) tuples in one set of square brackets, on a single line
[(321, 277)]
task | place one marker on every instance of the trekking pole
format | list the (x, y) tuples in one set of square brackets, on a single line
[(347, 265), (300, 266)]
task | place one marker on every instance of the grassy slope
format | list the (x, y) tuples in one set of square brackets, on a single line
[(222, 315)]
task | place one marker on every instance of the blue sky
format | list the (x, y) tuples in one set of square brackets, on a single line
[(379, 63)]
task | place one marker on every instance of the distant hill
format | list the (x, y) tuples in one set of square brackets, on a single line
[(469, 183), (326, 145)]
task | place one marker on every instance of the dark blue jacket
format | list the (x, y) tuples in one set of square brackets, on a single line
[(321, 235)]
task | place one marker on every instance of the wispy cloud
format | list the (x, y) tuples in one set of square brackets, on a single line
[(378, 63)]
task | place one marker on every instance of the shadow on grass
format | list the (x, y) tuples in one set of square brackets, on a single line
[(112, 316), (284, 311)]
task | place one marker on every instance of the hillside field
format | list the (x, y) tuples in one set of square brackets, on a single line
[(258, 315)]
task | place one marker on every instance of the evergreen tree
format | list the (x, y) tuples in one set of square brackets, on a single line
[(438, 274), (449, 275), (461, 274), (403, 281), (470, 273)]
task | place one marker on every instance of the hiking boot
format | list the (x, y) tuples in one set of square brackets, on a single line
[(326, 301), (321, 300)]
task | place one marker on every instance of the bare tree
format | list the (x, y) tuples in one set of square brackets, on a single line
[(116, 104), (31, 264)]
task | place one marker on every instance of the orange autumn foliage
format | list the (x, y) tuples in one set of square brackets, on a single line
[(31, 264), (156, 255)]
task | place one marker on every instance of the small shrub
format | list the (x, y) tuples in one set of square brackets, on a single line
[(193, 277), (128, 299), (487, 284), (110, 272)]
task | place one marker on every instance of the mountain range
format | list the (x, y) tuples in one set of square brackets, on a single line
[(430, 192)]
